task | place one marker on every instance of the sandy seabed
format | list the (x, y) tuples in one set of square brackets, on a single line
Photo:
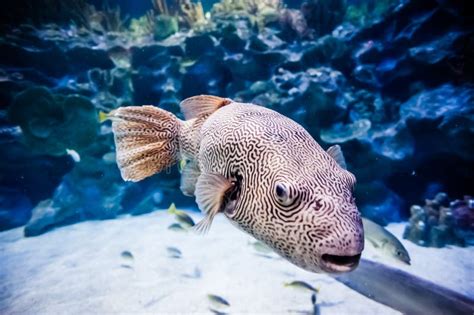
[(79, 269)]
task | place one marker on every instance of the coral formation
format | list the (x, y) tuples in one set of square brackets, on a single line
[(103, 21), (439, 222), (259, 13), (53, 123), (167, 18), (363, 12), (324, 15), (164, 26), (190, 14)]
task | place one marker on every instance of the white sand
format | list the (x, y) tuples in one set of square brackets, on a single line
[(77, 270)]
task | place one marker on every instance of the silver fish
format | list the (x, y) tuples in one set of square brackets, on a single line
[(405, 292), (262, 170), (384, 241)]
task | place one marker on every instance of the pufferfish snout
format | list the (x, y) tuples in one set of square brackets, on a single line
[(341, 251), (315, 231), (262, 170)]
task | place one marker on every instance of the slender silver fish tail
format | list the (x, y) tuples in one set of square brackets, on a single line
[(405, 292)]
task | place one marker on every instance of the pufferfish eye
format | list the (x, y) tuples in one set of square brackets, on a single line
[(282, 193)]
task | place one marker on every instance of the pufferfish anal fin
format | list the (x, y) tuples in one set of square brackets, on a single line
[(210, 195), (189, 177), (336, 153), (146, 140), (201, 105)]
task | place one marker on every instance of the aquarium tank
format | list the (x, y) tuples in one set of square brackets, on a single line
[(236, 157)]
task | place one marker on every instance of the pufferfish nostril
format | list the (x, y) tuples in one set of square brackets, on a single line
[(317, 205)]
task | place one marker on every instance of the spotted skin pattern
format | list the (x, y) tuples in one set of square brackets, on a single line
[(259, 149)]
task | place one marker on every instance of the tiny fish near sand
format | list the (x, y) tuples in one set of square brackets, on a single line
[(173, 252), (260, 169), (260, 247), (301, 285), (316, 310), (218, 301), (196, 274), (176, 227), (127, 255)]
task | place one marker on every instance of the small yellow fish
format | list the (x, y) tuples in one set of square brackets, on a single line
[(301, 285), (218, 301), (181, 165), (181, 216), (103, 116), (172, 209)]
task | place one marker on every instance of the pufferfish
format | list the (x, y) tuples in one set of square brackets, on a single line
[(262, 170)]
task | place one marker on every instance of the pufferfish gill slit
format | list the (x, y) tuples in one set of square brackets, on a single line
[(262, 170)]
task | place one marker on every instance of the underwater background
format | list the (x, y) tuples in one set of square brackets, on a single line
[(391, 82)]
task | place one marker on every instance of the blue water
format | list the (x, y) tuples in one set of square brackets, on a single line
[(389, 81)]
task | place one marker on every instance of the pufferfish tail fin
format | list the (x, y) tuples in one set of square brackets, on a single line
[(202, 105), (146, 140)]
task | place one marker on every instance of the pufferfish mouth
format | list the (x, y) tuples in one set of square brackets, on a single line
[(337, 263)]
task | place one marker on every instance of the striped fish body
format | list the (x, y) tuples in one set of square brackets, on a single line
[(261, 169)]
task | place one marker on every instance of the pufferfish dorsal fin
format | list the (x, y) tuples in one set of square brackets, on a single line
[(210, 195), (200, 105), (336, 153)]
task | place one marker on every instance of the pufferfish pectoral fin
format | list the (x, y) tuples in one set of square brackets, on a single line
[(210, 195), (201, 105), (336, 153)]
